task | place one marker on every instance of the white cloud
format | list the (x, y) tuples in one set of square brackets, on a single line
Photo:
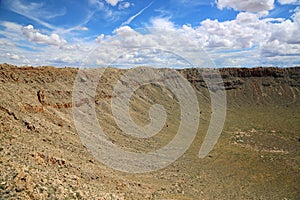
[(283, 2), (34, 35), (243, 32), (71, 47), (5, 43), (11, 25), (262, 38), (246, 5), (124, 5), (38, 10), (13, 56), (284, 39), (82, 28), (100, 38), (41, 13), (33, 11), (113, 2), (247, 40), (162, 23), (99, 5), (11, 33), (26, 61)]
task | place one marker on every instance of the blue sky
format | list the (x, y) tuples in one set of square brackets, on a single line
[(230, 32)]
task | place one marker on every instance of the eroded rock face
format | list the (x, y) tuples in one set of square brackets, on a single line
[(232, 77), (289, 75), (255, 72)]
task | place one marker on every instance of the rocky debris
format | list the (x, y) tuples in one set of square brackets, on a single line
[(46, 159), (41, 96), (103, 95), (54, 98), (11, 113), (262, 141), (29, 126), (33, 109), (232, 84), (42, 157)]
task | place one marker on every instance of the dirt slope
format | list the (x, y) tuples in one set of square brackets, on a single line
[(256, 157)]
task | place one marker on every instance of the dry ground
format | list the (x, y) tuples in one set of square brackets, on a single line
[(256, 157)]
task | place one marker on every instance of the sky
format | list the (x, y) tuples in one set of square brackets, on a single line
[(174, 33)]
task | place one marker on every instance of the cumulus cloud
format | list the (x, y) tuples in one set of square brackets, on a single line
[(262, 38), (246, 40), (132, 47), (162, 23), (247, 5), (284, 39), (243, 32), (34, 35)]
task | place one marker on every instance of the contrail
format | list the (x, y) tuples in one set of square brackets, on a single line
[(128, 21)]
